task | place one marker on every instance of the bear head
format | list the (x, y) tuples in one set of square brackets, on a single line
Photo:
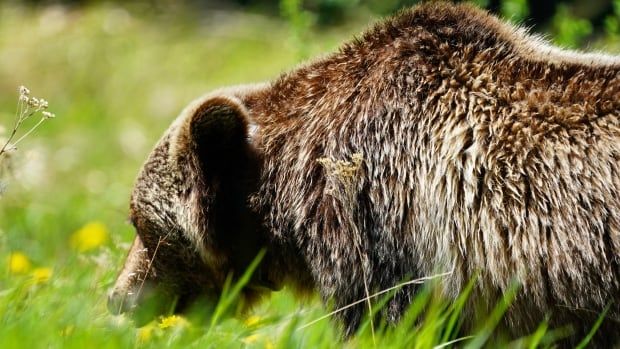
[(191, 211)]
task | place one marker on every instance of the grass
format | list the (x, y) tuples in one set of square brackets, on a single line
[(116, 77)]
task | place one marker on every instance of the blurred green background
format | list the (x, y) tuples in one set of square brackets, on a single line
[(116, 74)]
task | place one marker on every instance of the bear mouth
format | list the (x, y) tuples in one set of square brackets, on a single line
[(149, 303), (152, 303)]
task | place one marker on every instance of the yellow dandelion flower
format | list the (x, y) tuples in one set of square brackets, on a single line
[(172, 321), (251, 339), (41, 275), (252, 321), (89, 237), (19, 263), (145, 333)]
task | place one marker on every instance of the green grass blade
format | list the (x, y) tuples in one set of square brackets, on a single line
[(228, 297), (594, 328), (494, 318)]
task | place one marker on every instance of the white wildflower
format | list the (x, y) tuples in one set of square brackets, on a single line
[(26, 107), (33, 102), (24, 91)]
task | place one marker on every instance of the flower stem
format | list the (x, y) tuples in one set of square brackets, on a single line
[(29, 131)]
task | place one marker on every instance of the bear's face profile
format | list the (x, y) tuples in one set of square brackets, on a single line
[(189, 210)]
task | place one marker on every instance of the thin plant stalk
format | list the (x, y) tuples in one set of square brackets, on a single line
[(26, 107)]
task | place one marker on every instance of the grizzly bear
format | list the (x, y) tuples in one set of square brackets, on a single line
[(442, 139)]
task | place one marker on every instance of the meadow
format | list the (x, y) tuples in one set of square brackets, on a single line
[(115, 77)]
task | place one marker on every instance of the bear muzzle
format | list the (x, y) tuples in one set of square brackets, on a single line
[(131, 283)]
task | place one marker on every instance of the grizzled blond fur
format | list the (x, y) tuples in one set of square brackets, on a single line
[(472, 147)]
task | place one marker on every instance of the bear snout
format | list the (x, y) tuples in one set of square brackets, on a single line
[(131, 281), (142, 303)]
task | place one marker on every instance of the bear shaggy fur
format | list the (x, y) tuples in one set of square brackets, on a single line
[(440, 140)]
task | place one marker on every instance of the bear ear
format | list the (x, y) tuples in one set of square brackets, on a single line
[(214, 137)]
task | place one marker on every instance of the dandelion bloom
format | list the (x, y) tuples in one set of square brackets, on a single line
[(19, 263), (172, 321), (89, 237), (41, 275)]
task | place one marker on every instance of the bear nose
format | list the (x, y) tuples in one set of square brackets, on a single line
[(118, 303)]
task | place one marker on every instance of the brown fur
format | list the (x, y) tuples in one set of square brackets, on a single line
[(463, 143)]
